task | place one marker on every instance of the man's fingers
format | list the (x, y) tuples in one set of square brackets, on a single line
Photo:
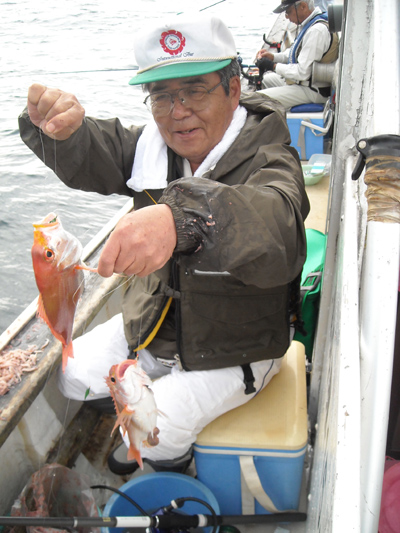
[(108, 258), (35, 91), (63, 124), (57, 113), (141, 243)]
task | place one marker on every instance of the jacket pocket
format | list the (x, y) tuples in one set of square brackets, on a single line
[(232, 327)]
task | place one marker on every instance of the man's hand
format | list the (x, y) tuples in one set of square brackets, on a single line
[(264, 53), (56, 113), (265, 65), (141, 243)]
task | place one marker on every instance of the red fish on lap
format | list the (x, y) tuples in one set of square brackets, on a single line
[(135, 406), (56, 258)]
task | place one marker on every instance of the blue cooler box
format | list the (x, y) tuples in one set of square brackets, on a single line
[(252, 457), (306, 140)]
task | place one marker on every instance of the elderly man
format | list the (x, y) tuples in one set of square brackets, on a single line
[(215, 263), (289, 74)]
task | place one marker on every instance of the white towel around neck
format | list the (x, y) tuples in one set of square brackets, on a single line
[(151, 162)]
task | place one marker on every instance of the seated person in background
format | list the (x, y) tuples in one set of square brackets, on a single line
[(215, 263), (288, 77)]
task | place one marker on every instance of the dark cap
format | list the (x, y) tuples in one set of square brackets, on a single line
[(285, 4)]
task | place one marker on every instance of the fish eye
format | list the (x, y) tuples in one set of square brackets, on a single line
[(48, 253), (112, 380)]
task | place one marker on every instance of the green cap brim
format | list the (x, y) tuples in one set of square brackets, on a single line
[(178, 70)]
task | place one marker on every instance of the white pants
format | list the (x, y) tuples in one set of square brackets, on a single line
[(188, 400), (289, 95)]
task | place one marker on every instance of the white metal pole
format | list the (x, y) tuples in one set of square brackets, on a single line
[(380, 276)]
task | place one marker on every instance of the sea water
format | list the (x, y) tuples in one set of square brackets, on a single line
[(85, 48)]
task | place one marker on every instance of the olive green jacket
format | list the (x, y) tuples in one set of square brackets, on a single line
[(241, 239)]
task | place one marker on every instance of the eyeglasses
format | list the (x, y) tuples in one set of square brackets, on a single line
[(195, 97)]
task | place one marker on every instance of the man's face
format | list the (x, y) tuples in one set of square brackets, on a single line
[(191, 134), (297, 13)]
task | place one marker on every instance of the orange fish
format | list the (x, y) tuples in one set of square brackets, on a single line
[(56, 258), (135, 406)]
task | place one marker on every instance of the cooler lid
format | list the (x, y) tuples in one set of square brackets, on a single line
[(275, 419)]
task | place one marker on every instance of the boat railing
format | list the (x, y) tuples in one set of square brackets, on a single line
[(353, 352)]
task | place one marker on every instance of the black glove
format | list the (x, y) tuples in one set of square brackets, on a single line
[(264, 64)]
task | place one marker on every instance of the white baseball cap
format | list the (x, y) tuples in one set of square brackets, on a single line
[(183, 47)]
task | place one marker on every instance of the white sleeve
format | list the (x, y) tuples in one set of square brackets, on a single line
[(316, 42)]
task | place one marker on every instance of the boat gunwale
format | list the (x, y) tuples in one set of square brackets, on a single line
[(28, 329)]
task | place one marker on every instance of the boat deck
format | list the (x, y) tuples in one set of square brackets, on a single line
[(318, 195)]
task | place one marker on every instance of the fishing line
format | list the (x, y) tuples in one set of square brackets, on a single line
[(212, 5), (127, 280), (134, 67), (42, 143), (55, 155), (264, 378)]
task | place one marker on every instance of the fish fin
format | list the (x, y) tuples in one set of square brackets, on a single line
[(115, 427), (82, 266), (162, 414), (67, 351), (41, 313), (134, 453), (95, 270), (111, 389), (152, 438), (123, 419)]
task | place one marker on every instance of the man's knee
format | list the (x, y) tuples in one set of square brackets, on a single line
[(271, 79)]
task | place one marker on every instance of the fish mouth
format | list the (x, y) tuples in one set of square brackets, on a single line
[(123, 367), (49, 220)]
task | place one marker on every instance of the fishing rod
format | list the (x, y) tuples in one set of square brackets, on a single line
[(134, 67), (204, 8), (167, 521)]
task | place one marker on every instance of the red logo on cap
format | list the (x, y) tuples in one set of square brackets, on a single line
[(172, 42)]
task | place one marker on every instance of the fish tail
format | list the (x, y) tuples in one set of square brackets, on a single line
[(134, 453), (67, 351)]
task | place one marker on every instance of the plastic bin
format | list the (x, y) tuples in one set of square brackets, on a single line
[(152, 491), (318, 166), (306, 140)]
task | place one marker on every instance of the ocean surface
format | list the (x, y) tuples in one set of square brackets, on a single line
[(85, 48)]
